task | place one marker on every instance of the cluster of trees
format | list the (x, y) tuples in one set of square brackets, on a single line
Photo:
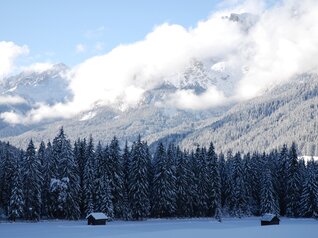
[(59, 180)]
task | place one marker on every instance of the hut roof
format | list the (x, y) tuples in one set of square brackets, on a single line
[(268, 217), (97, 215)]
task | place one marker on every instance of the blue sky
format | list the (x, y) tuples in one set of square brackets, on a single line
[(70, 31)]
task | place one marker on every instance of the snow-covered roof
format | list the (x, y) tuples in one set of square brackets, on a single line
[(97, 215), (268, 217)]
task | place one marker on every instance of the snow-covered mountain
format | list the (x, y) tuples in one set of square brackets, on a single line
[(286, 113), (27, 90), (48, 86)]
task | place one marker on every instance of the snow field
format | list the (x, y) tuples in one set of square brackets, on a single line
[(163, 228)]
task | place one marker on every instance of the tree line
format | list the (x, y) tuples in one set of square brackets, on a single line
[(65, 181)]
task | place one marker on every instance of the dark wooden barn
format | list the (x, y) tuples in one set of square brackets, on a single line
[(96, 218), (269, 219)]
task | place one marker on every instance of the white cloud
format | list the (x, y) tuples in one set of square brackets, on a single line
[(9, 51), (38, 67), (80, 48), (11, 117), (11, 100), (187, 99), (282, 43)]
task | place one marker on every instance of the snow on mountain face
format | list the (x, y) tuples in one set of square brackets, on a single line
[(49, 86), (246, 20), (200, 75)]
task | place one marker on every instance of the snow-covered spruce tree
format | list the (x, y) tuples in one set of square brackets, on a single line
[(138, 182), (47, 176), (6, 175), (116, 177), (282, 175), (64, 183), (252, 185), (89, 177), (228, 184), (16, 204), (273, 160), (171, 178), (70, 171), (45, 173), (103, 196), (80, 157), (126, 168), (223, 178), (309, 196), (214, 183), (32, 179), (163, 197), (269, 202), (203, 183), (293, 189), (238, 189), (184, 178)]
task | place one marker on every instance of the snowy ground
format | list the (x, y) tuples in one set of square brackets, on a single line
[(238, 228)]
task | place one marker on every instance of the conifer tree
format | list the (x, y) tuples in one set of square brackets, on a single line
[(203, 182), (116, 177), (282, 171), (16, 204), (269, 203), (163, 185), (6, 175), (238, 189), (80, 157), (89, 177), (214, 183), (138, 182), (126, 168), (64, 184), (103, 196), (32, 179), (309, 195), (45, 173), (293, 188)]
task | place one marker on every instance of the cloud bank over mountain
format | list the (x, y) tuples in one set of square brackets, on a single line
[(258, 46)]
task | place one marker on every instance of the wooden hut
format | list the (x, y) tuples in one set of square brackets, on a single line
[(269, 219), (96, 218)]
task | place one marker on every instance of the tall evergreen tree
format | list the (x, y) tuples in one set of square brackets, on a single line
[(214, 183), (64, 185), (223, 178), (80, 157), (32, 178), (309, 195), (45, 172), (126, 168), (6, 175), (138, 182), (269, 202), (103, 196), (16, 204), (163, 185), (89, 177), (282, 171), (203, 182), (117, 177), (238, 189), (293, 188)]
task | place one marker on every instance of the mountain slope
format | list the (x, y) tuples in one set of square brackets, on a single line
[(287, 113)]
